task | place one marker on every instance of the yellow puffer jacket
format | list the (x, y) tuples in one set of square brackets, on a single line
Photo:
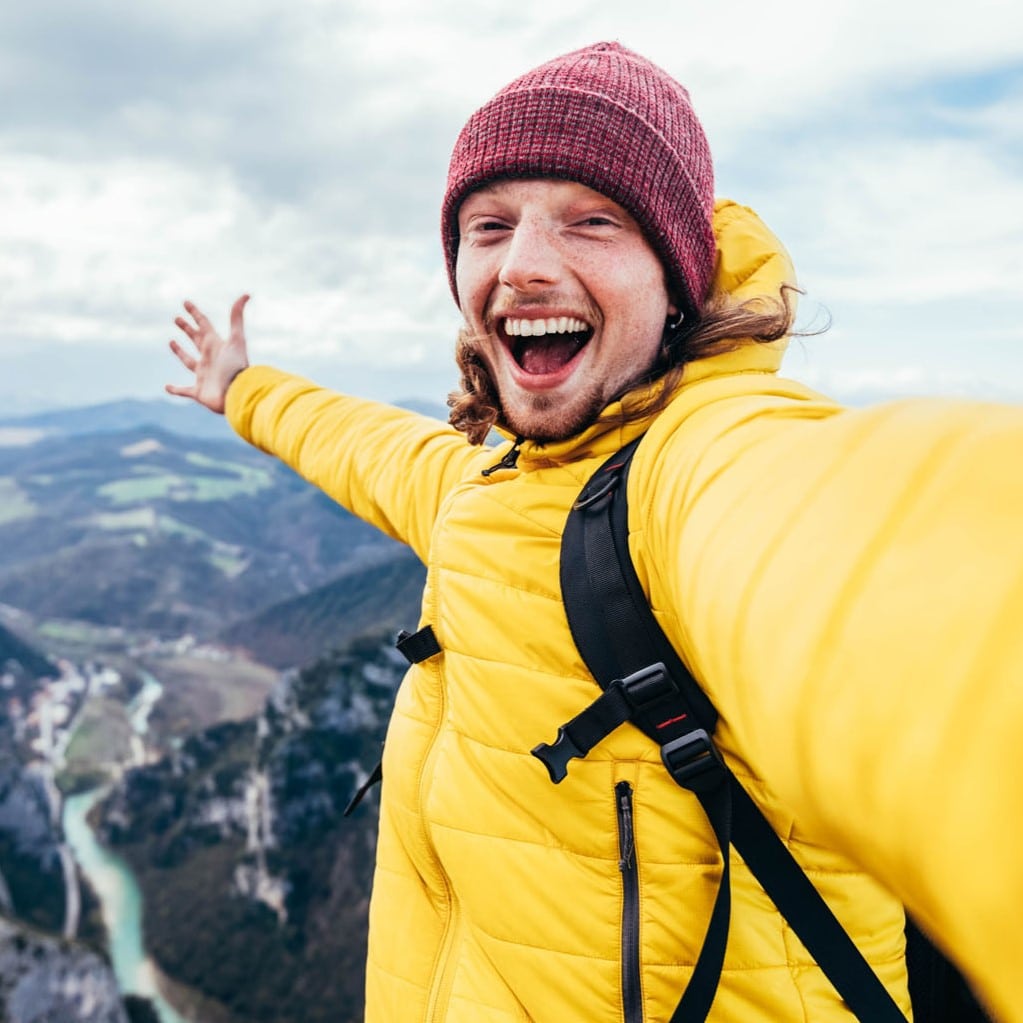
[(847, 587)]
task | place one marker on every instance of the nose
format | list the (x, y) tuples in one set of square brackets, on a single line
[(532, 258)]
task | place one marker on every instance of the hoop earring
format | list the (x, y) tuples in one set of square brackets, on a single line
[(671, 340), (672, 323)]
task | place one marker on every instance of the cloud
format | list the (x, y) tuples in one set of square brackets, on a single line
[(298, 148), (105, 255)]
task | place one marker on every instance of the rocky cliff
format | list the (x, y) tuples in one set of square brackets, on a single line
[(256, 889), (31, 845), (45, 980)]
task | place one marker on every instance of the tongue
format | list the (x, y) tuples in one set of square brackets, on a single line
[(547, 355)]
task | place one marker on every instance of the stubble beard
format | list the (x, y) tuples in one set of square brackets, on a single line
[(547, 419)]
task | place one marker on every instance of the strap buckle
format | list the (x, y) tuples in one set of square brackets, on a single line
[(694, 761), (620, 702), (556, 755)]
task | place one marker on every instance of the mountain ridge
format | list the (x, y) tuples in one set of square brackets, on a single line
[(142, 529), (181, 417)]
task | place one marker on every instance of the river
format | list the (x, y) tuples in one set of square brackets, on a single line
[(113, 880)]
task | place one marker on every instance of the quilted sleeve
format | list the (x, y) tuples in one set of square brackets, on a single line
[(389, 466), (848, 586)]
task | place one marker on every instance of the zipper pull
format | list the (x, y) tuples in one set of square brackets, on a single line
[(510, 460), (626, 839)]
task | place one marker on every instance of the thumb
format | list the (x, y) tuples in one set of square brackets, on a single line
[(238, 319)]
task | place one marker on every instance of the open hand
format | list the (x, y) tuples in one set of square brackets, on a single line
[(217, 361)]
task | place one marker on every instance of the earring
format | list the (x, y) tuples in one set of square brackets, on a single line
[(672, 323), (673, 339)]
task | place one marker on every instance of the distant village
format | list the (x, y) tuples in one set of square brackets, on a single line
[(45, 722)]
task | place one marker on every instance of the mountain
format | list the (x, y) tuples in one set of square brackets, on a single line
[(145, 529), (181, 417), (184, 418), (256, 887), (383, 596)]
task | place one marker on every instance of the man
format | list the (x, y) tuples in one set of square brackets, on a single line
[(839, 582)]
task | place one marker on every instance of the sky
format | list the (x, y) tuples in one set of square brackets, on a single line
[(297, 150)]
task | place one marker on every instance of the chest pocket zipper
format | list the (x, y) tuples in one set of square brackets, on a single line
[(628, 865)]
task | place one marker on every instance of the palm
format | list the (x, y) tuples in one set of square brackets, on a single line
[(216, 361)]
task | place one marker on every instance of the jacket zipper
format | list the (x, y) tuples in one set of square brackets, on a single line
[(509, 461), (632, 1000)]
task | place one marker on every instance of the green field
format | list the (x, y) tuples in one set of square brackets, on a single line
[(134, 518), (14, 502), (146, 518), (150, 486), (142, 488), (229, 563), (101, 739)]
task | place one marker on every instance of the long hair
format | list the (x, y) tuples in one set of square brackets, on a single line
[(723, 326)]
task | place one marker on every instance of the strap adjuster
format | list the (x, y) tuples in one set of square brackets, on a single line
[(647, 686), (694, 761)]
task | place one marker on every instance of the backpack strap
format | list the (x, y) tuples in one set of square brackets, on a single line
[(416, 647), (645, 682)]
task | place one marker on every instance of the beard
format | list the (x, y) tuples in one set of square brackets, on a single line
[(476, 407), (545, 419)]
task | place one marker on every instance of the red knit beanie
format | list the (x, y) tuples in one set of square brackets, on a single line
[(609, 119)]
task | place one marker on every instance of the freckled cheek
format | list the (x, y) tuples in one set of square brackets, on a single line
[(472, 293)]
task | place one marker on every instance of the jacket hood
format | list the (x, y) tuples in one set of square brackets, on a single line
[(752, 264)]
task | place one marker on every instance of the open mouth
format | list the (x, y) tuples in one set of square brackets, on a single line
[(545, 346)]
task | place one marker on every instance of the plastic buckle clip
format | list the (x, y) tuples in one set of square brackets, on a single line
[(556, 755), (694, 761)]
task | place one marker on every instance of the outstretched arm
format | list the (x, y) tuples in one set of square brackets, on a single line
[(218, 361)]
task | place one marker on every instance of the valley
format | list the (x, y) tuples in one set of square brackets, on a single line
[(196, 671)]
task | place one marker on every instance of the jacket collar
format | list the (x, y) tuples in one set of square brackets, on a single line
[(752, 263)]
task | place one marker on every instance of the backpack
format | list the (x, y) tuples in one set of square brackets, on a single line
[(644, 681)]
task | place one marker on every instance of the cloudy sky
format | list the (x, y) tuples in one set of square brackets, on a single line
[(152, 151)]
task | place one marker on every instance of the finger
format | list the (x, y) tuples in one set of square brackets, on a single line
[(183, 324), (238, 318), (181, 392), (198, 315), (189, 361)]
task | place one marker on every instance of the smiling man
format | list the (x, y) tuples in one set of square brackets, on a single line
[(834, 579), (565, 297)]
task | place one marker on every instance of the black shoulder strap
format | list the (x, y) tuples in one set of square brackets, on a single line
[(624, 647)]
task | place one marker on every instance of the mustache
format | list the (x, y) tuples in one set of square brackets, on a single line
[(502, 307)]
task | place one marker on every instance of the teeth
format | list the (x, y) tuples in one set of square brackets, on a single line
[(538, 328)]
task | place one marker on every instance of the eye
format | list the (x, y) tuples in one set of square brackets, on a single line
[(598, 221), (480, 227)]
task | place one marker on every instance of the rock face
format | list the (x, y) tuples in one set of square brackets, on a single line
[(31, 844), (44, 980), (256, 888), (38, 878)]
